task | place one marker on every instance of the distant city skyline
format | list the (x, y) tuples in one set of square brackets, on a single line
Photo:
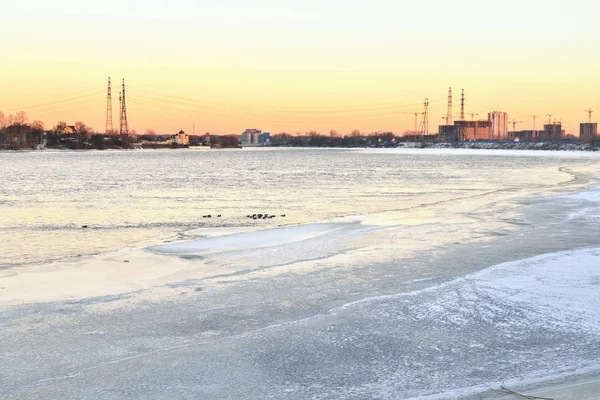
[(297, 67)]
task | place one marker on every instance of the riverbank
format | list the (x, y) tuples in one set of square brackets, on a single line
[(479, 145), (548, 146)]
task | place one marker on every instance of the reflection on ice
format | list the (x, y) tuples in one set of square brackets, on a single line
[(247, 240)]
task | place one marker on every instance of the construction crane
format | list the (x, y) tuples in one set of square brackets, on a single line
[(534, 117), (589, 111), (416, 114), (473, 115), (514, 123), (554, 134), (549, 118)]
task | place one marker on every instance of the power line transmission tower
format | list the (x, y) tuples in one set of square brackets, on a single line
[(425, 120), (449, 112), (109, 121), (589, 111), (123, 128), (462, 105)]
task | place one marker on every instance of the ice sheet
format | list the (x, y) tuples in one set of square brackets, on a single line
[(248, 240)]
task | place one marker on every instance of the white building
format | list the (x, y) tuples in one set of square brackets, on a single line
[(499, 122), (250, 136), (181, 138)]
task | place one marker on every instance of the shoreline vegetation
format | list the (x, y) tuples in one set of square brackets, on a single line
[(24, 137), (118, 143), (17, 134)]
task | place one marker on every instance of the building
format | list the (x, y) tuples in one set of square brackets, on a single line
[(499, 122), (473, 130), (448, 133), (524, 136), (265, 138), (466, 130), (250, 136), (68, 130), (553, 131), (588, 131), (20, 137), (181, 139)]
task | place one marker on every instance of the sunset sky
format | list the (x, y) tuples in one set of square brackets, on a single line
[(275, 65)]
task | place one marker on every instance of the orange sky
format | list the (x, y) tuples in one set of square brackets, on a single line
[(295, 67)]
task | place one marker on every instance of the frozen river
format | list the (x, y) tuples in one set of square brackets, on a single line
[(394, 274)]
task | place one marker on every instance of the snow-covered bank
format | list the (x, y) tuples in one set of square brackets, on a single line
[(492, 150), (551, 146)]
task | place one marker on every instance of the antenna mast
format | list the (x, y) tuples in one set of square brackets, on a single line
[(462, 105)]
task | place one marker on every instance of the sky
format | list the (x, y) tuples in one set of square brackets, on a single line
[(283, 66)]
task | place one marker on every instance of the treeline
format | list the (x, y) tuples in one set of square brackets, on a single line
[(353, 139), (16, 132)]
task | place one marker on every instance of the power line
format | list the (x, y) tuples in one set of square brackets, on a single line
[(94, 93), (320, 109), (135, 100)]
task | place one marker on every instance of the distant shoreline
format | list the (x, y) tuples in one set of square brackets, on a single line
[(548, 146), (542, 146)]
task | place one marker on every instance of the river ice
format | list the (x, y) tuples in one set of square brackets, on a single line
[(432, 302), (531, 318)]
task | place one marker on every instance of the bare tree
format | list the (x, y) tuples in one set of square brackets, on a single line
[(355, 133), (83, 131), (37, 128), (334, 133), (150, 132), (21, 118), (83, 128), (37, 125), (1, 120)]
